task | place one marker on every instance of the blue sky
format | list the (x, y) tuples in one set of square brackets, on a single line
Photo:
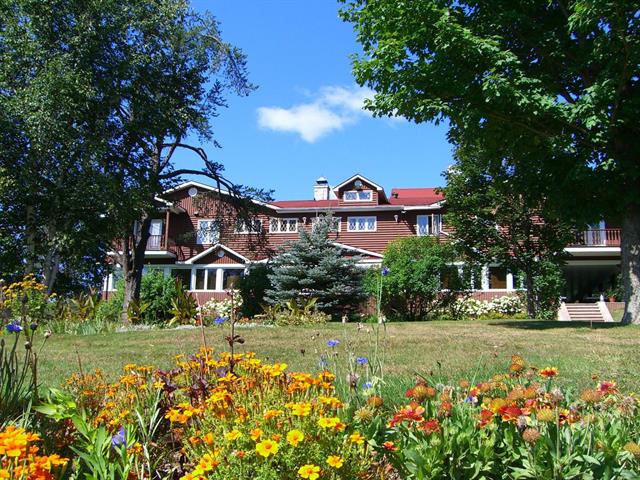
[(305, 120)]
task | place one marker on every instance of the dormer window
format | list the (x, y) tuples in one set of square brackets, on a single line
[(357, 196)]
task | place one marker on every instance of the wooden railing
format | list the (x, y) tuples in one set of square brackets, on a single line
[(155, 242), (608, 237)]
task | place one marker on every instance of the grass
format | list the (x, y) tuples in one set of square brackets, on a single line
[(445, 351)]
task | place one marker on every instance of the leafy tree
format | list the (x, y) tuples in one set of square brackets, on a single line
[(422, 278), (500, 213), (555, 80), (313, 267), (97, 97)]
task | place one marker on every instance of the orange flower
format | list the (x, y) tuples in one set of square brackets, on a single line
[(548, 372)]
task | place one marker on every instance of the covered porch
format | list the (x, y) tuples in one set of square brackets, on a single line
[(587, 280)]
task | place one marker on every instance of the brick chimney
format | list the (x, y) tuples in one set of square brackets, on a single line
[(321, 189)]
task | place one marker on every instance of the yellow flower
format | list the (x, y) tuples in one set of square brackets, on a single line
[(299, 409), (294, 437), (335, 461), (328, 422), (267, 447), (233, 435), (356, 438), (256, 433), (309, 471)]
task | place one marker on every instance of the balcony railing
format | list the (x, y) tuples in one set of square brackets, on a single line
[(155, 242), (608, 237)]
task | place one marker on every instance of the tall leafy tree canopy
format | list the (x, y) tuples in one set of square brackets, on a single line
[(556, 81), (98, 97)]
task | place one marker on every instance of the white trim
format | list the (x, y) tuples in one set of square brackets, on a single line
[(366, 217), (589, 251), (593, 263), (357, 199), (360, 177), (204, 186), (315, 220), (149, 254), (211, 249), (359, 250), (249, 232), (280, 223), (211, 231)]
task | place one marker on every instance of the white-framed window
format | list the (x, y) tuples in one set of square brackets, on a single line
[(283, 225), (357, 196), (205, 279), (208, 232), (253, 225), (335, 223), (361, 224), (429, 224)]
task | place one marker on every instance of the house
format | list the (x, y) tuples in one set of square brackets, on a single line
[(199, 240)]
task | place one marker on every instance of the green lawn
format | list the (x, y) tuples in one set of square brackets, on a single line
[(446, 350)]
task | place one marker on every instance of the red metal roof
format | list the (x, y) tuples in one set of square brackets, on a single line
[(415, 196), (305, 203)]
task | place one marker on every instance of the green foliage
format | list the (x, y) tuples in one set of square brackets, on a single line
[(549, 89), (422, 278), (156, 293), (253, 287), (548, 282), (312, 267), (294, 313), (184, 308)]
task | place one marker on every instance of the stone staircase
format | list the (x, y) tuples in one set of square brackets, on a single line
[(585, 312)]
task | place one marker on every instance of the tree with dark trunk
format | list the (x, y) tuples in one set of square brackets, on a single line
[(561, 75)]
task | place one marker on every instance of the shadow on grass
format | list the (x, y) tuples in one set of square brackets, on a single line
[(555, 324)]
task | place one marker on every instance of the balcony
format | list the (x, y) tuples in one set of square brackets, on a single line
[(155, 243), (607, 237)]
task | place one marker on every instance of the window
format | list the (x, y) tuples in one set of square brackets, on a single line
[(361, 224), (184, 275), (428, 224), (205, 279), (231, 277), (357, 196), (249, 226), (283, 225), (155, 235), (208, 232), (497, 278), (335, 223)]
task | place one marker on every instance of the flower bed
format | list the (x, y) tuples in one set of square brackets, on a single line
[(223, 416), (516, 425)]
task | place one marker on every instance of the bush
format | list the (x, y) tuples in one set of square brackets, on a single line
[(421, 278), (253, 288), (508, 306)]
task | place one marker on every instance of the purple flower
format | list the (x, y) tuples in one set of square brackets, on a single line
[(220, 320), (119, 438), (385, 271), (362, 360), (333, 343), (14, 327), (367, 385)]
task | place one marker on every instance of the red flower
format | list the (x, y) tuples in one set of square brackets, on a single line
[(548, 372), (430, 426), (485, 417), (389, 446), (411, 413), (510, 413), (607, 387)]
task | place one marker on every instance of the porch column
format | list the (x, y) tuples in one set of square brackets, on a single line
[(485, 277), (219, 279), (509, 281)]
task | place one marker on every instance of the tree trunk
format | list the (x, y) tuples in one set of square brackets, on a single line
[(133, 265), (531, 301), (630, 247)]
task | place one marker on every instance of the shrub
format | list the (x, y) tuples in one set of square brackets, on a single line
[(157, 292), (253, 288), (508, 306), (422, 278), (214, 309), (294, 314)]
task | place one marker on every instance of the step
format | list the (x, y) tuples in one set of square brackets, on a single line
[(587, 312)]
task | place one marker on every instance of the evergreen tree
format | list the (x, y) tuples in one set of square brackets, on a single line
[(313, 267)]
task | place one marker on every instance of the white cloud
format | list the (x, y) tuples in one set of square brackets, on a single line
[(332, 108)]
